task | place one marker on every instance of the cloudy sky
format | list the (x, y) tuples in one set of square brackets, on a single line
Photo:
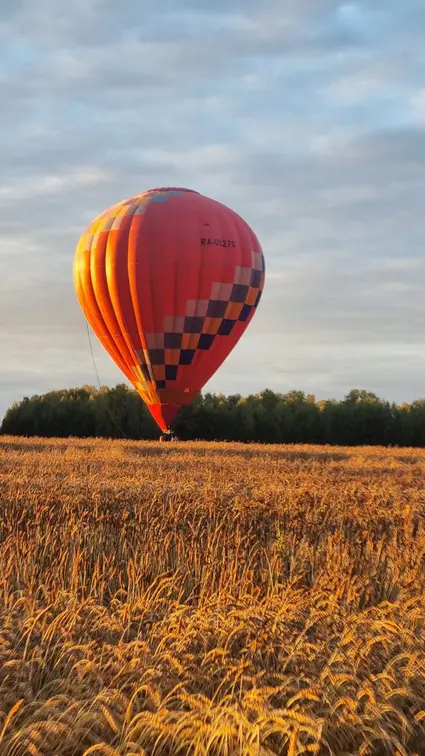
[(305, 116)]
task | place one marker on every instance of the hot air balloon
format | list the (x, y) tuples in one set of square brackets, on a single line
[(169, 280)]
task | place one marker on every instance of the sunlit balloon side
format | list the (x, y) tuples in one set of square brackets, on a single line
[(169, 280)]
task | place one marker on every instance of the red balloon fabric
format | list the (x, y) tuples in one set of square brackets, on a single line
[(169, 280)]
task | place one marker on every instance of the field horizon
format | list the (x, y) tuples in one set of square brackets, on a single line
[(210, 598)]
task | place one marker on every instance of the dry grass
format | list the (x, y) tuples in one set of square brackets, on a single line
[(210, 599)]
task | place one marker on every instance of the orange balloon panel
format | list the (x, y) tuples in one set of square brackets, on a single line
[(169, 280)]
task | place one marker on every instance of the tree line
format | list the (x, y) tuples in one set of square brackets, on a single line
[(267, 417)]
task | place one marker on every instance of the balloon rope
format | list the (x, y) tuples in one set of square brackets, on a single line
[(124, 435), (92, 353)]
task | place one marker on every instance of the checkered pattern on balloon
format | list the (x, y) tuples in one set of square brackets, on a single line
[(197, 329)]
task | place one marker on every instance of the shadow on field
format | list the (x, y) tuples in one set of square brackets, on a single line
[(408, 460), (41, 447), (24, 447), (325, 455), (246, 451)]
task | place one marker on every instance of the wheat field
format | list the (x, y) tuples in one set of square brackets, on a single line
[(196, 598)]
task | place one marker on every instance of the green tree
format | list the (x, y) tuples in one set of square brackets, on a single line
[(267, 417)]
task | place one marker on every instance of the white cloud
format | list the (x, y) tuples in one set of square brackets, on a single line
[(52, 184), (418, 106)]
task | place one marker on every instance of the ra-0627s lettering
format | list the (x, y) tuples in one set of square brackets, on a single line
[(217, 242)]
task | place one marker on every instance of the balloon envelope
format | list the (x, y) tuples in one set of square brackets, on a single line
[(169, 280)]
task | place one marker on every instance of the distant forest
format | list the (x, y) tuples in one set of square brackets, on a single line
[(267, 417)]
